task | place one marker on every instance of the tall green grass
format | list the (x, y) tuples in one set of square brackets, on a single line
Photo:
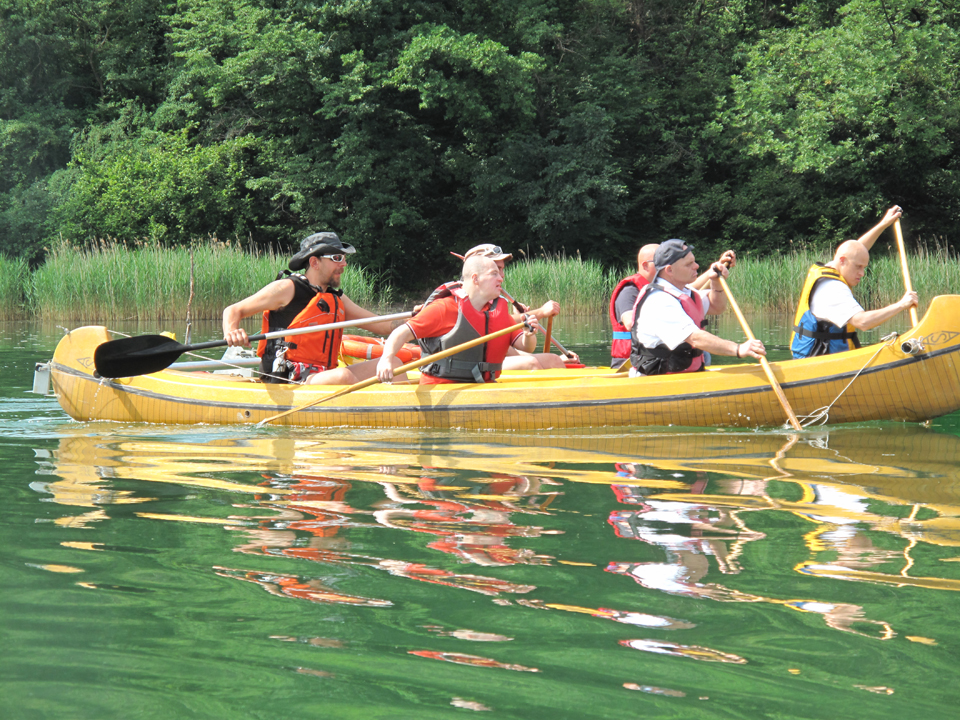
[(13, 277), (107, 281), (774, 283), (582, 287), (770, 284)]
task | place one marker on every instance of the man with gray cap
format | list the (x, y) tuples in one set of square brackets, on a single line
[(668, 335), (299, 300), (625, 295)]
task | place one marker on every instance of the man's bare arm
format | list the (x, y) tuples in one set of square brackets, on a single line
[(274, 296), (702, 340), (871, 235), (869, 319), (355, 312)]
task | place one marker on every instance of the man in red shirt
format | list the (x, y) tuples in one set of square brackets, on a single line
[(474, 310)]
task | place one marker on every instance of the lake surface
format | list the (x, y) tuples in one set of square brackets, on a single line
[(206, 572)]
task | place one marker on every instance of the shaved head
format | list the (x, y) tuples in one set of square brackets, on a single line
[(852, 250), (645, 265), (475, 265), (851, 261)]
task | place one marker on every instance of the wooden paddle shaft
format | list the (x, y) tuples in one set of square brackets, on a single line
[(426, 360), (549, 340), (791, 416), (906, 270)]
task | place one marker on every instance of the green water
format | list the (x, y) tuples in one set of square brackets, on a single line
[(181, 572)]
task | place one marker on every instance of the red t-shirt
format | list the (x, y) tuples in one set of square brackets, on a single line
[(437, 319)]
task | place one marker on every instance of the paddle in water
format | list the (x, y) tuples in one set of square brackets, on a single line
[(768, 371), (145, 354)]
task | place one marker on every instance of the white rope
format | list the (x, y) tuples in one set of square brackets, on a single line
[(820, 416)]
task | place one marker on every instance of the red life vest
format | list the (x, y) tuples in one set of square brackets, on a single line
[(481, 363), (661, 360), (454, 287), (621, 333)]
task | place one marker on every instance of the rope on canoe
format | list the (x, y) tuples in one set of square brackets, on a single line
[(820, 416)]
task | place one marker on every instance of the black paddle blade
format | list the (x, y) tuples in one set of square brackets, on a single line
[(140, 355)]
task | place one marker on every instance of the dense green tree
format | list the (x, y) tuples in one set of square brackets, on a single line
[(156, 186), (410, 127), (860, 101), (64, 64), (417, 127)]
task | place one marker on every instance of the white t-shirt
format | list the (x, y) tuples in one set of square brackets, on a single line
[(662, 320), (833, 301)]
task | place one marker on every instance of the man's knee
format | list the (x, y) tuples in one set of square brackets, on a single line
[(550, 361), (521, 362), (337, 376)]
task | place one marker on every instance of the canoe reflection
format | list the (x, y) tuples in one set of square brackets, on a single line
[(861, 505)]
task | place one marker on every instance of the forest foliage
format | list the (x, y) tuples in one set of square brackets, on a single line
[(417, 127)]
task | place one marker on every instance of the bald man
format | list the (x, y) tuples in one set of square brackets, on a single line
[(625, 296), (828, 316), (470, 311)]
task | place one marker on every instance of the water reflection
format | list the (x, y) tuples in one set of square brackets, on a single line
[(725, 517)]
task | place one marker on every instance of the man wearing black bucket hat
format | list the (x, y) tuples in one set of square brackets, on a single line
[(668, 335), (297, 300)]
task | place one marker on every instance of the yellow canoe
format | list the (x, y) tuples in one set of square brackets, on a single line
[(885, 381)]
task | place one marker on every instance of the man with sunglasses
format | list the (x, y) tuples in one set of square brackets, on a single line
[(298, 300)]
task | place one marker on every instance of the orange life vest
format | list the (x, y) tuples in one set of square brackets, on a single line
[(321, 349), (481, 363)]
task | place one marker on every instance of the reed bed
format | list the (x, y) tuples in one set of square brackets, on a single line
[(13, 278), (582, 287), (107, 281), (773, 283)]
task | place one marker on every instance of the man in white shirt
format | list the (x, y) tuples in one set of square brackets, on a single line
[(668, 334), (625, 297), (828, 316)]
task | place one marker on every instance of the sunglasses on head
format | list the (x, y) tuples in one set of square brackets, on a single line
[(488, 252)]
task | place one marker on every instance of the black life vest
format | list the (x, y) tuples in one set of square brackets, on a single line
[(311, 305)]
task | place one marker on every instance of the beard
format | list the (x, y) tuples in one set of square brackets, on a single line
[(333, 281)]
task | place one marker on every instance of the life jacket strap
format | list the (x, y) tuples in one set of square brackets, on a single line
[(452, 367), (826, 335)]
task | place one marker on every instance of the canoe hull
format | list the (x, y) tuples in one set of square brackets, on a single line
[(887, 384)]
